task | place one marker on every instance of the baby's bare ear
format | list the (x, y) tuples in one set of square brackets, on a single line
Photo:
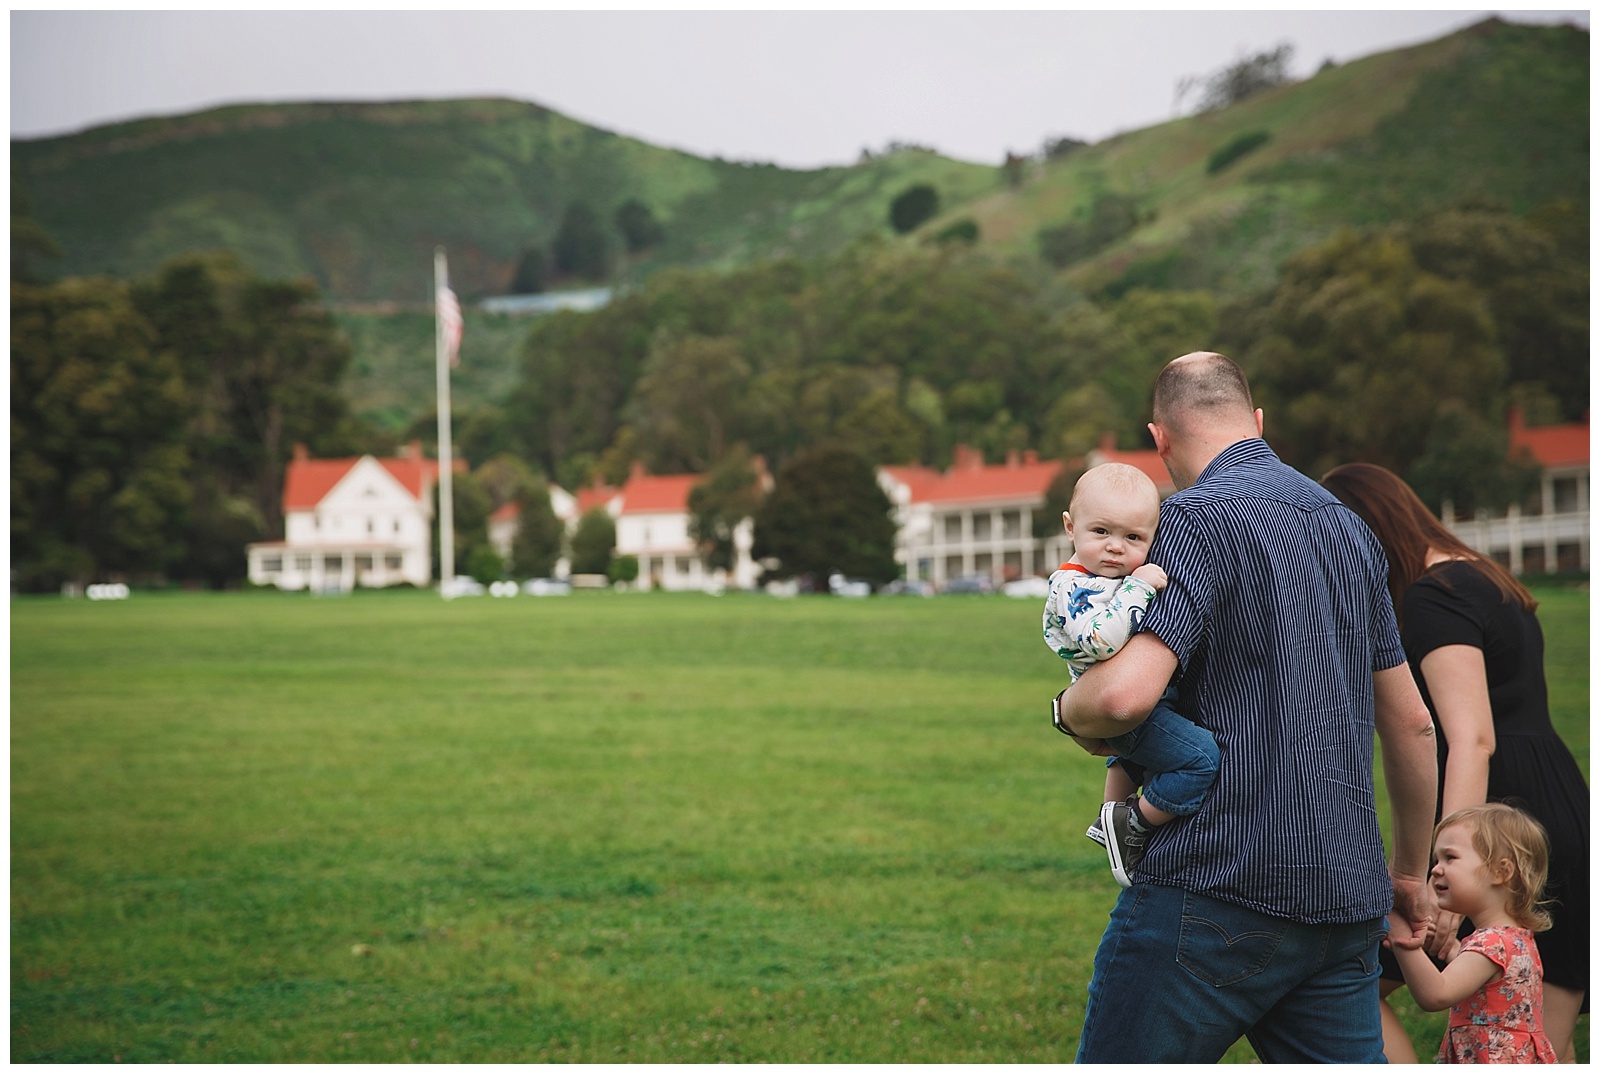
[(1066, 521), (1501, 870)]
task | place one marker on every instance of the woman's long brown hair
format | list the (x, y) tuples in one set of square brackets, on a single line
[(1407, 529)]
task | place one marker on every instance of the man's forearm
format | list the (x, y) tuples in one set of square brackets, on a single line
[(1410, 767), (1115, 696)]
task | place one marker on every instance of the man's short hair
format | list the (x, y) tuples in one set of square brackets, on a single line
[(1208, 385)]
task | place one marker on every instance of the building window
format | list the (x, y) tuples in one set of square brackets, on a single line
[(333, 561), (391, 561), (1502, 556), (1013, 566), (397, 525), (952, 566), (952, 528), (1533, 559), (271, 564), (363, 562), (1569, 557), (983, 563), (371, 525), (1565, 494), (302, 563), (1011, 525), (980, 527)]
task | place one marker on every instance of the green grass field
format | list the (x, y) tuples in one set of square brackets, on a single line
[(605, 828)]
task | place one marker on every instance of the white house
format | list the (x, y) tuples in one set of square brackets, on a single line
[(503, 523), (354, 521), (652, 513), (1550, 531)]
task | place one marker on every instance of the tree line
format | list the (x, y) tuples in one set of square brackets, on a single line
[(152, 420)]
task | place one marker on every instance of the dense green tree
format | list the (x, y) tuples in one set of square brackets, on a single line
[(685, 400), (31, 245), (730, 493), (826, 513), (528, 279), (1359, 350), (581, 246), (594, 542), (913, 207), (99, 471), (639, 227), (537, 545)]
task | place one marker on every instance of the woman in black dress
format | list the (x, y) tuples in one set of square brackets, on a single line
[(1477, 652)]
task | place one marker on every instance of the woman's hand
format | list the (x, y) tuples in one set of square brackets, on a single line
[(1444, 945)]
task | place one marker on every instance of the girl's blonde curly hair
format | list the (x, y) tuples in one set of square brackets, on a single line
[(1503, 833)]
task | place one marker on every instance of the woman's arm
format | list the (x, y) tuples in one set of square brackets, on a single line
[(1459, 685), (1458, 682)]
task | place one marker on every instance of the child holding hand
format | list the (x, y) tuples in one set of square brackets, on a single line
[(1490, 863)]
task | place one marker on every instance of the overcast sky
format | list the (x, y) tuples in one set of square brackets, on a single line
[(802, 89)]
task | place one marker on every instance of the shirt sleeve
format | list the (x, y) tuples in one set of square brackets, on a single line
[(1491, 944), (1187, 606), (1436, 616)]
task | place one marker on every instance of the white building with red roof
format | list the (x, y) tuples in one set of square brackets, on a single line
[(354, 521), (978, 519), (1550, 531)]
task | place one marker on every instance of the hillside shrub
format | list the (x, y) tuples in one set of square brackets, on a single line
[(1109, 218), (581, 246), (963, 230), (913, 207), (638, 225), (1226, 154)]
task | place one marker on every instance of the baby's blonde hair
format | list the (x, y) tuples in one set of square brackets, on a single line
[(1117, 477), (1504, 833)]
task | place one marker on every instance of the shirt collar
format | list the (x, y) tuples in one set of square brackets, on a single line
[(1236, 455)]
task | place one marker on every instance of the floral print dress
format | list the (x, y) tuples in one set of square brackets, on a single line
[(1503, 1022)]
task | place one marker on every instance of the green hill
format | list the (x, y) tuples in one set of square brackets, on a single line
[(357, 195)]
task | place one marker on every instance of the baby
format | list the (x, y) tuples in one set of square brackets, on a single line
[(1096, 604)]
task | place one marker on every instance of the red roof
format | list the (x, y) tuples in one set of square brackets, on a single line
[(969, 479), (666, 494), (506, 512), (591, 496), (1551, 445), (308, 481)]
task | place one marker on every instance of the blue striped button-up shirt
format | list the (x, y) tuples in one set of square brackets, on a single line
[(1278, 613)]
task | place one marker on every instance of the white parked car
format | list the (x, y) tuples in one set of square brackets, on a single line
[(1027, 587), (546, 587), (461, 586)]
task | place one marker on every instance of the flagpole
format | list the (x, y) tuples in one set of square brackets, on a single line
[(447, 537)]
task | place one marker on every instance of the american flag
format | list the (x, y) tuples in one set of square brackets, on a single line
[(450, 320)]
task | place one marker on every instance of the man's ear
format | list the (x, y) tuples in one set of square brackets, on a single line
[(1163, 441), (1260, 424)]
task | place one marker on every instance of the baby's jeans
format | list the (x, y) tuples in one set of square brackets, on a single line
[(1174, 759)]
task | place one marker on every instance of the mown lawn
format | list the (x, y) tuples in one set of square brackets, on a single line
[(602, 828)]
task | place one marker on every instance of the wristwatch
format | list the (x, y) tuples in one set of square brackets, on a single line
[(1055, 715)]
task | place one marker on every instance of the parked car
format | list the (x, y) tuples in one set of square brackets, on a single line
[(900, 587), (840, 586), (972, 583), (461, 586), (1027, 587), (546, 587)]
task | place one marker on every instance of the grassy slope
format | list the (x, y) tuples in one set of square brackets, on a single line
[(358, 195), (643, 828), (1496, 111)]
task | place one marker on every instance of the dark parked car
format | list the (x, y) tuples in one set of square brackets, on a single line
[(972, 583)]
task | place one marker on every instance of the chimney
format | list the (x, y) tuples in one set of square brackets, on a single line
[(966, 458), (300, 454), (1012, 459), (636, 471), (1108, 442), (1030, 457)]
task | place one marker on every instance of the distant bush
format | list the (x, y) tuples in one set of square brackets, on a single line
[(531, 268), (623, 569), (581, 247), (963, 230), (594, 542), (485, 565), (1056, 148), (1232, 151), (915, 206), (639, 227), (1107, 220)]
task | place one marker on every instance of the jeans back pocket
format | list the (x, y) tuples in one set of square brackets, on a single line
[(1223, 944)]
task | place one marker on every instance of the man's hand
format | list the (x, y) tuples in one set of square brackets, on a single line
[(1414, 905)]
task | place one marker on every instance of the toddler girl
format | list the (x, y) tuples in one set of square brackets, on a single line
[(1489, 866)]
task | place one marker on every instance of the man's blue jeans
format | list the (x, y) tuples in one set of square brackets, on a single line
[(1179, 977), (1175, 759)]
